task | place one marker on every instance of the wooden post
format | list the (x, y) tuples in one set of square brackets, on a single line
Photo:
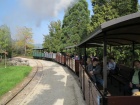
[(105, 66), (5, 58), (133, 53), (84, 71)]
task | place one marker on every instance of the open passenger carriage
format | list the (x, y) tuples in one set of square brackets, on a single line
[(121, 31)]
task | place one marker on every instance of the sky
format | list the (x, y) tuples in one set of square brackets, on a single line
[(35, 14)]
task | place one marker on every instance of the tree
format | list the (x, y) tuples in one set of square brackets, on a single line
[(24, 39), (139, 8), (5, 39), (125, 7), (102, 13), (75, 23), (134, 6), (53, 41), (74, 28), (105, 10)]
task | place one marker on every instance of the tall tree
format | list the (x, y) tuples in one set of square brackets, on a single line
[(125, 7), (5, 39), (75, 23), (53, 41), (134, 6), (105, 10), (139, 8), (24, 39), (102, 12)]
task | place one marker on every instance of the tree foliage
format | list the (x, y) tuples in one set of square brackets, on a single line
[(24, 41), (53, 41), (75, 23), (139, 8), (73, 29), (5, 40), (105, 10)]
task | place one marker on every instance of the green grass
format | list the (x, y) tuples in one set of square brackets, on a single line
[(11, 76)]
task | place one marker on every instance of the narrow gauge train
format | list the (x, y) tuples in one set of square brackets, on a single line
[(58, 57), (117, 32), (92, 93)]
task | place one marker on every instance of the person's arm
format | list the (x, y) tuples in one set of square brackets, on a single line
[(138, 85), (130, 78), (109, 66), (98, 70), (90, 67), (114, 65)]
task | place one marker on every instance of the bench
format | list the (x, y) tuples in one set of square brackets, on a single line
[(122, 75)]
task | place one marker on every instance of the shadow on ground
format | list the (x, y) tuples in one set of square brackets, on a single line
[(57, 87)]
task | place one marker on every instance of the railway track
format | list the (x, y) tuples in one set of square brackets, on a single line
[(24, 88)]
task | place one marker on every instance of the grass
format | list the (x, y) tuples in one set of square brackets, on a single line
[(11, 76)]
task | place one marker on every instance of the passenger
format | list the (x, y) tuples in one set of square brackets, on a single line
[(111, 66), (135, 77), (89, 65), (92, 57), (76, 57), (134, 84), (96, 72), (84, 59)]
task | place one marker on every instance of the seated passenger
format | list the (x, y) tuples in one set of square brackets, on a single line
[(134, 84), (76, 57), (89, 65), (135, 77), (111, 66), (96, 72), (92, 57)]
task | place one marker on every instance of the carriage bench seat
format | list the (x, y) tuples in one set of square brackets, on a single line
[(122, 75)]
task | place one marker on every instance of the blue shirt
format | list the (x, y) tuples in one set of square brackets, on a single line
[(111, 65)]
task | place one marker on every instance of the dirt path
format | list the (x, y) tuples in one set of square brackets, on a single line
[(56, 86)]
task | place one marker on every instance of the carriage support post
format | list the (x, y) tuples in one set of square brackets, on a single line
[(105, 66)]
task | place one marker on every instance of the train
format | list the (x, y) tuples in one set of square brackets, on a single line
[(117, 32), (92, 93)]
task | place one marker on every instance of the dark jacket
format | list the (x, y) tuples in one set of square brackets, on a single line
[(97, 72)]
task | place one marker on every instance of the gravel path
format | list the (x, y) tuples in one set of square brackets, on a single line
[(56, 86)]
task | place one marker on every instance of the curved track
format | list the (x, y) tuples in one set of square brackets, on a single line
[(32, 79)]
